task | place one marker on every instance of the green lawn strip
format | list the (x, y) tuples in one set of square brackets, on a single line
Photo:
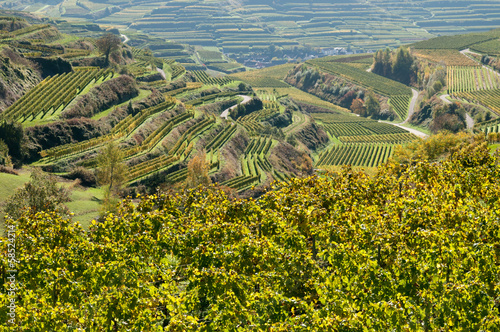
[(85, 204), (422, 129), (11, 182)]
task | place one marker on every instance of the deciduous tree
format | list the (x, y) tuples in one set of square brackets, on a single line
[(41, 193), (372, 105), (198, 168), (111, 173), (358, 107), (107, 44)]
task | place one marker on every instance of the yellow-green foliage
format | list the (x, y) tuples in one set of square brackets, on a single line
[(412, 248)]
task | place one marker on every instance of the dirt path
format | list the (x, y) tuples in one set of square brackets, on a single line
[(125, 38), (468, 51), (468, 119), (246, 99), (411, 110), (162, 73), (413, 102), (444, 98)]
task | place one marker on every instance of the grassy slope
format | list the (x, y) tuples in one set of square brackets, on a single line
[(85, 202)]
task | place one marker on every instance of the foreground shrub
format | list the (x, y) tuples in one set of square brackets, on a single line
[(413, 248)]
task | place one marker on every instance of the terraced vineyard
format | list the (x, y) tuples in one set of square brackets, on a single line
[(379, 84), (123, 128), (488, 98), (492, 126), (203, 77), (448, 57), (399, 138), (459, 42), (363, 142), (253, 164), (400, 105), (218, 141), (158, 142), (265, 78), (467, 79), (335, 117), (233, 27), (350, 129), (361, 154), (251, 122), (177, 70), (491, 47), (53, 94)]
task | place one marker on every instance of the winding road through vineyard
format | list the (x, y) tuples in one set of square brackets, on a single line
[(246, 99), (410, 113)]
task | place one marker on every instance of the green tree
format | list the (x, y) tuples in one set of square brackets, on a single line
[(402, 62), (41, 193), (5, 159), (397, 65), (382, 63), (372, 105), (107, 44), (111, 173), (12, 134)]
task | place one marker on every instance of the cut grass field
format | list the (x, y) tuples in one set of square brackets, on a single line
[(84, 204), (270, 77), (307, 98)]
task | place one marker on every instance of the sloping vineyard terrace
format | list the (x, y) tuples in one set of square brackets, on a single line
[(488, 98), (377, 83), (360, 154), (53, 94), (467, 79)]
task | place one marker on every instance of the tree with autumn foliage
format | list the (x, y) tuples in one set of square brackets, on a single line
[(358, 107), (198, 169)]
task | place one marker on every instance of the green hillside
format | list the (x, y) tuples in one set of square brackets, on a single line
[(165, 114), (357, 192)]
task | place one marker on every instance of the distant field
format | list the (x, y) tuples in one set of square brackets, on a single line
[(378, 83), (266, 78), (448, 57), (305, 97), (362, 25)]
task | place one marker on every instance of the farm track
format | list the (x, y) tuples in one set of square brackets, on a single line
[(246, 99), (125, 38), (411, 110), (468, 51), (444, 98), (162, 72), (468, 119), (413, 102)]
